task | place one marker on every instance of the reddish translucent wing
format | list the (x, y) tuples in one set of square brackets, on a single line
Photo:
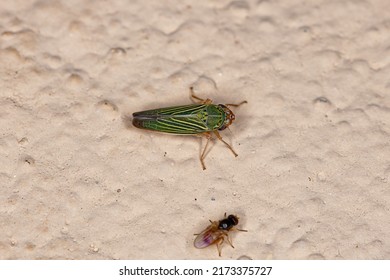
[(204, 239)]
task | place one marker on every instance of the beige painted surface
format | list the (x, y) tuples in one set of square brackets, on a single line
[(311, 181)]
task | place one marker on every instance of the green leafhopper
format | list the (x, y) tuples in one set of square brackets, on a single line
[(202, 119)]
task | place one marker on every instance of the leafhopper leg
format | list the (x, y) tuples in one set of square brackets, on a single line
[(220, 138), (236, 105), (200, 100), (203, 155)]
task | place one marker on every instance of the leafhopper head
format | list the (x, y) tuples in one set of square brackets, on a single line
[(229, 117)]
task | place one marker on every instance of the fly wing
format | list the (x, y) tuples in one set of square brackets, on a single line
[(206, 238)]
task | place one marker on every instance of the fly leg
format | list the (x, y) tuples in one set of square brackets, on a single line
[(238, 229), (220, 138), (229, 240), (219, 242), (203, 155), (200, 100)]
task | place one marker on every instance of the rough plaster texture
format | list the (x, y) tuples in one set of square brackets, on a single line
[(77, 181)]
